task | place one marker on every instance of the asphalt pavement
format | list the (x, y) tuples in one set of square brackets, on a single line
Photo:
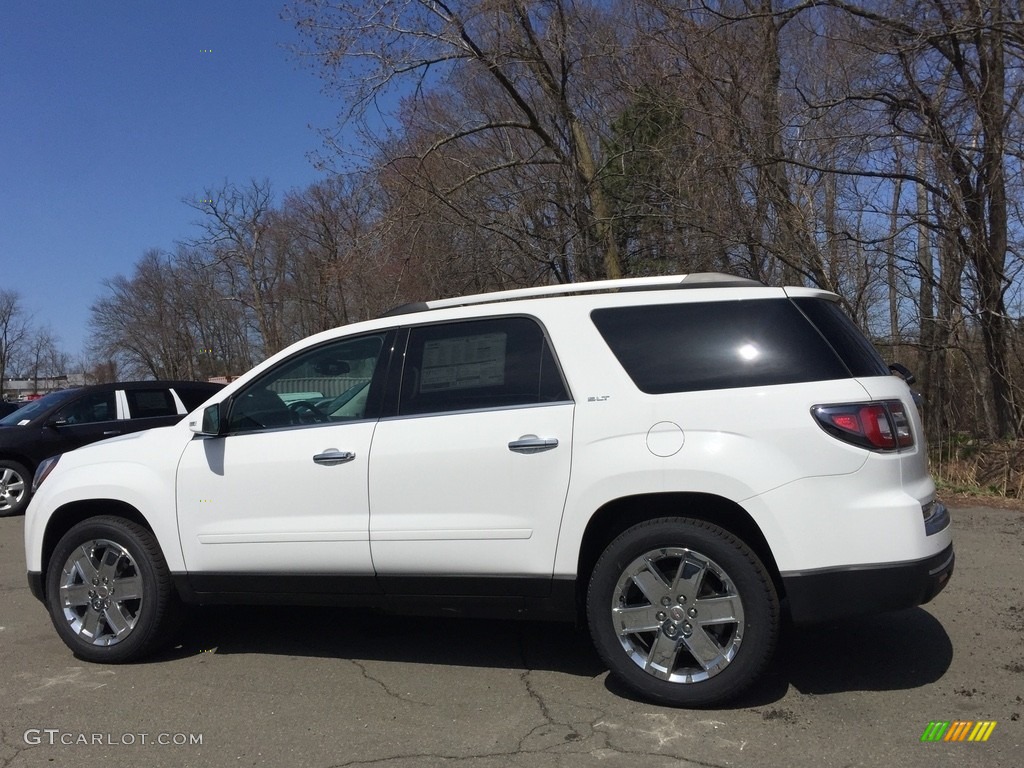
[(331, 687)]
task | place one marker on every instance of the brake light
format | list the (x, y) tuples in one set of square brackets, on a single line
[(880, 426)]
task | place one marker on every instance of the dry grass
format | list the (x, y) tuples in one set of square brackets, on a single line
[(967, 467)]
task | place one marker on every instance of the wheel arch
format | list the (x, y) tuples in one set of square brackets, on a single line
[(68, 516), (616, 516), (20, 458)]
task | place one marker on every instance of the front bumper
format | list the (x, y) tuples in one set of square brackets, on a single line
[(836, 593)]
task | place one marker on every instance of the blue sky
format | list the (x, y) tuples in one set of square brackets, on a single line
[(112, 112)]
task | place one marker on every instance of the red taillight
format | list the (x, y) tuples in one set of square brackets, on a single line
[(881, 426)]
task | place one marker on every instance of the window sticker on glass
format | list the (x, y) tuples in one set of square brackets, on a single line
[(464, 362)]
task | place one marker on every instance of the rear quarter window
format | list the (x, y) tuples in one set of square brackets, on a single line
[(853, 348), (717, 345), (150, 403), (193, 397)]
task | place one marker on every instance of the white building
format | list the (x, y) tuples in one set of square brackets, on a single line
[(27, 389)]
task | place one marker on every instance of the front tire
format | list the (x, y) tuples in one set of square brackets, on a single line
[(109, 591), (682, 612), (15, 488)]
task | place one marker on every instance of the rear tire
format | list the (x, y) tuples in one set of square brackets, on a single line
[(682, 612), (109, 591)]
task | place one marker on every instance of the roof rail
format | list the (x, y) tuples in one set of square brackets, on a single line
[(661, 282)]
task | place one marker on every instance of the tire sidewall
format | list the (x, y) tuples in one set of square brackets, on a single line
[(154, 599), (744, 569)]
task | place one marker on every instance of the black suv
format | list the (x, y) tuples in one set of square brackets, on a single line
[(70, 418)]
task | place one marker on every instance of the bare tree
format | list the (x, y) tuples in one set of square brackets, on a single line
[(949, 77), (236, 239), (43, 357), (326, 231), (137, 323), (521, 60), (14, 330)]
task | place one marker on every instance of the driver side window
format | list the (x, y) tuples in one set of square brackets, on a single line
[(327, 384)]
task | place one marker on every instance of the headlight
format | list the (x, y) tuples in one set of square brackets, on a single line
[(45, 468)]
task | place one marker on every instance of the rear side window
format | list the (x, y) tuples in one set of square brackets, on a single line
[(492, 363), (846, 339), (150, 403), (717, 345), (193, 397)]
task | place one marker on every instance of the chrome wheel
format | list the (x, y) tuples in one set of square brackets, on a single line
[(109, 591), (678, 615), (101, 592), (13, 488), (682, 611)]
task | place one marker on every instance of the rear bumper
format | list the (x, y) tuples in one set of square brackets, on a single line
[(835, 593)]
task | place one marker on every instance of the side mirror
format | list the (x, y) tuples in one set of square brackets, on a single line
[(208, 422)]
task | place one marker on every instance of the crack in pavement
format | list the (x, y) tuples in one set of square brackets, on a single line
[(387, 690), (508, 757), (16, 748)]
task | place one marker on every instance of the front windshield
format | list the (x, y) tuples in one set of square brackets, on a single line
[(36, 407)]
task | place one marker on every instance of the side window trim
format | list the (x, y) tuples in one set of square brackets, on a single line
[(179, 406), (121, 400), (469, 411), (378, 380), (392, 387)]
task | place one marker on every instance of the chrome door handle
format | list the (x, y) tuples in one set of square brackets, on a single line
[(112, 432), (332, 457), (533, 444)]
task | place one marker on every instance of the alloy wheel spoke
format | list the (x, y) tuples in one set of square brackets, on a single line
[(90, 624), (662, 657), (83, 562), (690, 577), (636, 619), (718, 610), (74, 595), (128, 588), (116, 618), (651, 583), (704, 649), (108, 566)]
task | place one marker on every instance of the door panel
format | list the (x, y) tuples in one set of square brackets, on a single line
[(260, 503), (469, 478), (284, 491), (87, 419), (448, 497)]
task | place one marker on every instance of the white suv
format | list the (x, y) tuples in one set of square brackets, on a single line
[(676, 459)]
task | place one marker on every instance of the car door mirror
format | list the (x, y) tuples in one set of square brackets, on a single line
[(207, 422)]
